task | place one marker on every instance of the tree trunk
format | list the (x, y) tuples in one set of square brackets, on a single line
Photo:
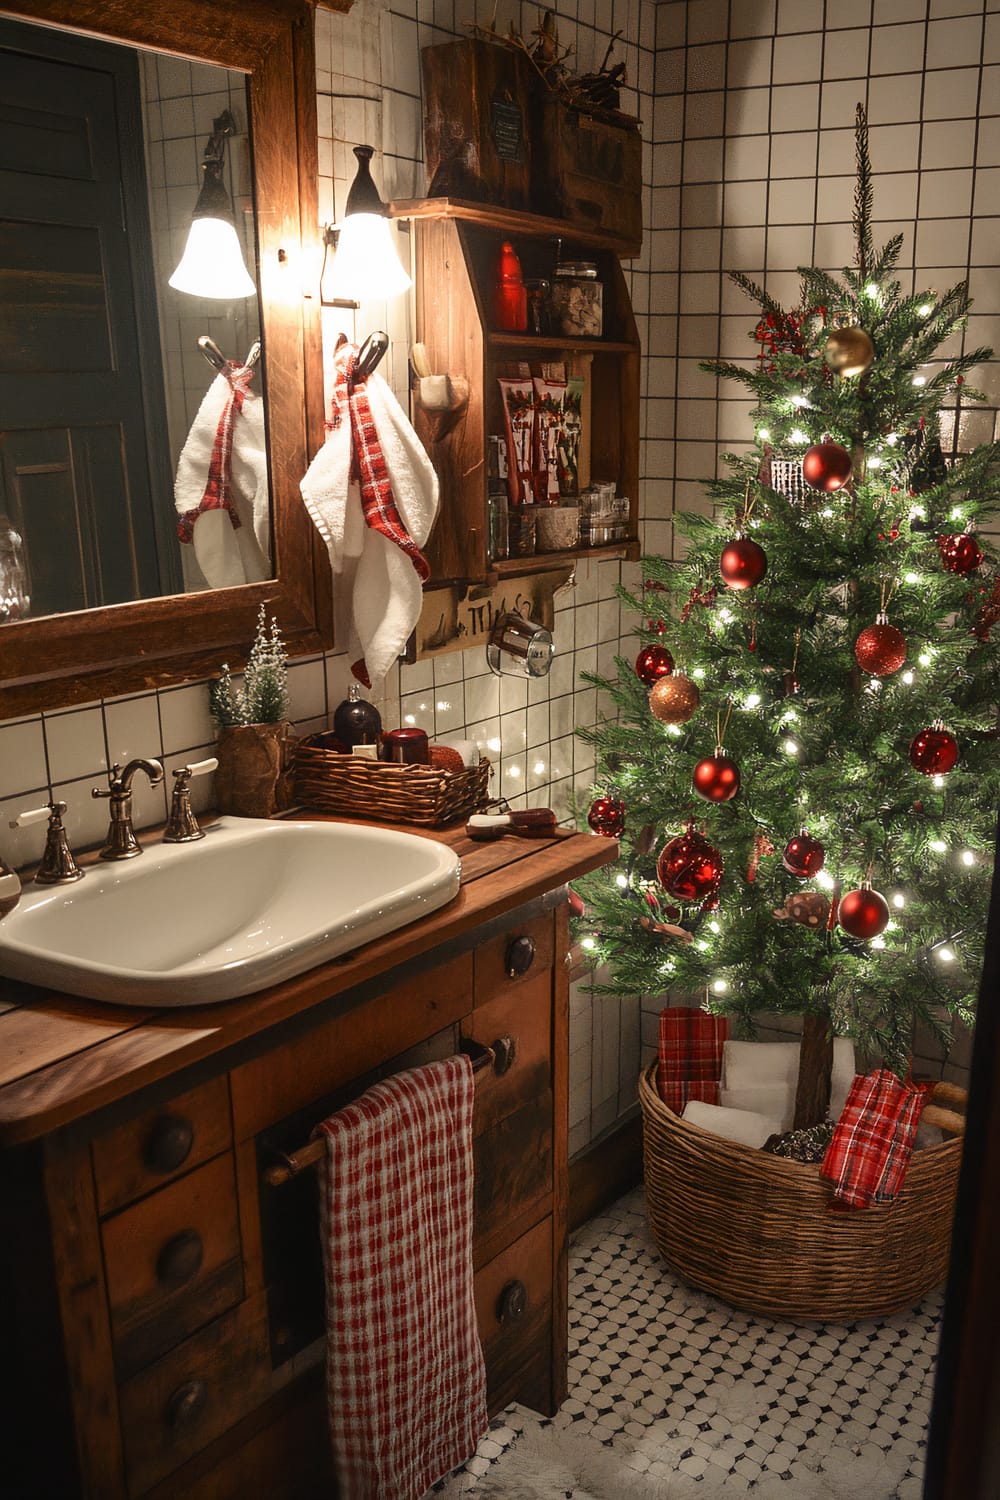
[(812, 1096)]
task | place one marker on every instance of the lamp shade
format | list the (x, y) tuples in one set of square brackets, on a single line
[(366, 263), (212, 263)]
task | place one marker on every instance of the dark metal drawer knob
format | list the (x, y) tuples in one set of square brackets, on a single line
[(180, 1258), (504, 1051), (512, 1302), (186, 1404), (520, 956), (168, 1144)]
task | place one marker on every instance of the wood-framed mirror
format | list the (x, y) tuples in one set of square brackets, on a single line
[(63, 658)]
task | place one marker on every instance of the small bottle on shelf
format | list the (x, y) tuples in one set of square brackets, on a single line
[(510, 300)]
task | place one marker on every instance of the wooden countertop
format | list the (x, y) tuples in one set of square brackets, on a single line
[(62, 1057)]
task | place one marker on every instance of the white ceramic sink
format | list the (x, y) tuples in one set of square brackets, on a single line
[(251, 904)]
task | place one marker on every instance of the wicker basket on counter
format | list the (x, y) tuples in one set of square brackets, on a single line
[(332, 782), (757, 1230)]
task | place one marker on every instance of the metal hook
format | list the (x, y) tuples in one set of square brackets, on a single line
[(253, 355), (212, 352), (370, 355)]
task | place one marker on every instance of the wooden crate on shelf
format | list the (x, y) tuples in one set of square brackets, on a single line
[(476, 126), (586, 168)]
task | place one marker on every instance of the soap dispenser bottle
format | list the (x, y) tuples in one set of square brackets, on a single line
[(355, 721), (510, 300)]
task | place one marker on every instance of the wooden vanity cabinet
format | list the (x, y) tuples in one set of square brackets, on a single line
[(456, 250), (165, 1301)]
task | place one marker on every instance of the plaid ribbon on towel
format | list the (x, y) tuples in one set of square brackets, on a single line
[(368, 461), (867, 1158), (406, 1382), (219, 484), (691, 1043)]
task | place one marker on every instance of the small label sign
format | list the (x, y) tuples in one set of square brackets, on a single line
[(508, 129)]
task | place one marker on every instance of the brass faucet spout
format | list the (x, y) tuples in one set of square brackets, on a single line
[(121, 842)]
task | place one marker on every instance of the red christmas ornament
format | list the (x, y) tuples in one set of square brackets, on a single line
[(652, 663), (826, 466), (934, 751), (689, 867), (959, 554), (803, 856), (863, 913), (717, 778), (880, 649), (742, 563), (607, 817)]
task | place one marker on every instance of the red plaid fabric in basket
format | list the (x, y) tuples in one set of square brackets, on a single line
[(406, 1383), (691, 1043), (867, 1158)]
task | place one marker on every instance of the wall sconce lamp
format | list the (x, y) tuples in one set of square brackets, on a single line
[(359, 258), (212, 264)]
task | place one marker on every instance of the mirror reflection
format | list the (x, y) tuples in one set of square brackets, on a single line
[(133, 456)]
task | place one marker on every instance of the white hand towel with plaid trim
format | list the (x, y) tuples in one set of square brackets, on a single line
[(406, 1382)]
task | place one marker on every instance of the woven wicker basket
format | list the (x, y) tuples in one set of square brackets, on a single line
[(757, 1230), (336, 783)]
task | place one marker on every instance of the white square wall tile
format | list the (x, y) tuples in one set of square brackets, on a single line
[(22, 758), (133, 728), (184, 717), (75, 744)]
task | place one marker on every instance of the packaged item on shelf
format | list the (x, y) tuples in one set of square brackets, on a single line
[(557, 528), (519, 419), (570, 437), (521, 524), (576, 301), (549, 398)]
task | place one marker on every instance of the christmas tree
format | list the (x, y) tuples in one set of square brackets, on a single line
[(802, 763)]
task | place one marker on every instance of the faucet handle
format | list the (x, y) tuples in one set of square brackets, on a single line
[(182, 825), (58, 867)]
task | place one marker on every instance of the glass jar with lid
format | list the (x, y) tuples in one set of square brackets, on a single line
[(577, 300)]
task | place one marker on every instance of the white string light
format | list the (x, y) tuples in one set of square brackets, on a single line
[(907, 678), (945, 955), (763, 435), (924, 310), (752, 701), (797, 436), (939, 846), (791, 747), (968, 857), (898, 899), (720, 986), (622, 882)]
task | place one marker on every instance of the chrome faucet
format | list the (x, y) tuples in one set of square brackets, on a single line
[(121, 842)]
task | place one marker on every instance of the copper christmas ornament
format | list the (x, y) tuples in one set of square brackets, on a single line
[(849, 351), (674, 699)]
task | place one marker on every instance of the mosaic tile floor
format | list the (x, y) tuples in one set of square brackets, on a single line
[(679, 1384)]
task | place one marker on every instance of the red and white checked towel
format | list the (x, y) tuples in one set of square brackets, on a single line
[(691, 1046), (867, 1158), (406, 1382)]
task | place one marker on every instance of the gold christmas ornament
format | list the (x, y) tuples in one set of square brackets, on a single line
[(849, 351), (674, 699)]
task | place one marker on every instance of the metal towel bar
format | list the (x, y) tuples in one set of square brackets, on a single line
[(288, 1165)]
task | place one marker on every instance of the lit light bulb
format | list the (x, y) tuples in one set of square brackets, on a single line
[(493, 744), (698, 672), (875, 686), (797, 436), (892, 439), (957, 513), (939, 846), (907, 678), (924, 310), (891, 926), (539, 768), (621, 881), (725, 615), (917, 512), (878, 942), (938, 782), (968, 858), (675, 730), (826, 880), (752, 701), (920, 380), (409, 718), (720, 986), (702, 947), (875, 462), (791, 748), (714, 927), (911, 577), (872, 291), (514, 772), (945, 955), (925, 658), (800, 401), (588, 942), (764, 435), (898, 899)]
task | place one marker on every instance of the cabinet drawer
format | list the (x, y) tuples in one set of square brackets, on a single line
[(153, 1149), (189, 1398), (513, 1172), (327, 1057), (514, 958), (513, 1296), (522, 1017), (173, 1262)]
